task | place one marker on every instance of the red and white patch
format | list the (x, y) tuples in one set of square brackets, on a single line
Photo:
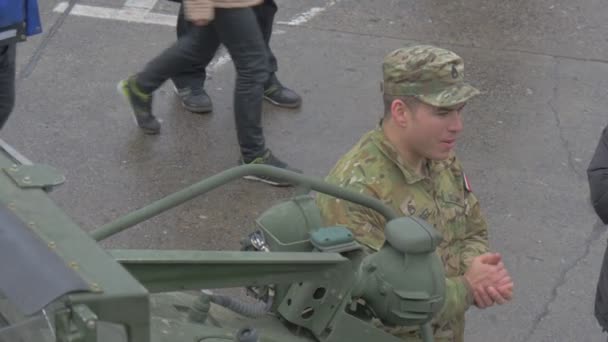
[(467, 185)]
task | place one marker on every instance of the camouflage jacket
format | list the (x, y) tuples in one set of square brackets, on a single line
[(373, 167)]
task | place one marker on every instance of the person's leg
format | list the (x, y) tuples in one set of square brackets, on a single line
[(274, 91), (198, 46), (7, 81), (189, 84), (265, 13), (238, 30), (601, 294)]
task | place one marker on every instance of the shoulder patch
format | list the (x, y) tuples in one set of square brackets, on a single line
[(467, 185)]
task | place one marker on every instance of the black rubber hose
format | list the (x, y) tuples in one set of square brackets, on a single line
[(252, 310)]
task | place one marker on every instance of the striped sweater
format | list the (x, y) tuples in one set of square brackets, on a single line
[(204, 9)]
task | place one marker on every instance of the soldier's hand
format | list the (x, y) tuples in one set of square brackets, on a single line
[(502, 291), (489, 280), (502, 294)]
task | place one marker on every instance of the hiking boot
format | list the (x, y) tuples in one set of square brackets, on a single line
[(269, 159), (141, 104), (281, 96), (195, 100)]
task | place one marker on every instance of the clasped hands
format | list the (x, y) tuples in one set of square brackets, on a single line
[(489, 280)]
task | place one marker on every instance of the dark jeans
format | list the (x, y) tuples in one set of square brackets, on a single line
[(238, 30), (194, 76), (7, 81)]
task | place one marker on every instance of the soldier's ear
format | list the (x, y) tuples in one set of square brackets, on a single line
[(400, 113)]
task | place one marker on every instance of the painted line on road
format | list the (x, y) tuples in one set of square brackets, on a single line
[(128, 14), (146, 5), (221, 60), (61, 7), (306, 16), (138, 11)]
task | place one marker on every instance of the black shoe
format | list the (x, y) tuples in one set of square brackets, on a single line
[(141, 104), (195, 100), (281, 96), (269, 159)]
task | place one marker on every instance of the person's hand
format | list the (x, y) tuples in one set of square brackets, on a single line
[(489, 280), (500, 293)]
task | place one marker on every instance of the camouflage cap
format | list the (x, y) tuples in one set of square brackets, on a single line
[(431, 74)]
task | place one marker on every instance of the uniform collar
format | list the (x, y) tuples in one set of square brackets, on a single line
[(388, 149)]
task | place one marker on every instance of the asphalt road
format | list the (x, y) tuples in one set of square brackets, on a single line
[(542, 66)]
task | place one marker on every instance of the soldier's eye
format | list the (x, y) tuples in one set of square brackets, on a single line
[(443, 112)]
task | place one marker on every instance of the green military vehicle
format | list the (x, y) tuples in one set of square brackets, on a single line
[(306, 282)]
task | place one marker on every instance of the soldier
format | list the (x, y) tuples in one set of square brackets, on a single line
[(408, 162)]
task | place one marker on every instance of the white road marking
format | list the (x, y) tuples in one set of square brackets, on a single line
[(146, 5), (129, 14), (61, 7), (221, 60), (306, 16), (139, 11)]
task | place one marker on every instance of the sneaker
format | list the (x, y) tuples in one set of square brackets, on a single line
[(281, 96), (141, 104), (195, 100), (269, 159)]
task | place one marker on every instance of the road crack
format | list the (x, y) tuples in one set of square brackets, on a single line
[(597, 231), (558, 122), (33, 61)]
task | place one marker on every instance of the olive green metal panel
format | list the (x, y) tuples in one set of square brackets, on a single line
[(35, 176), (348, 328), (111, 287), (162, 270), (65, 238)]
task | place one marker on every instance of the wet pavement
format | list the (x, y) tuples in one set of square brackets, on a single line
[(527, 140)]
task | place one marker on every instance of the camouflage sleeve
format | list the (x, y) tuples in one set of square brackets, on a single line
[(366, 224), (476, 234), (458, 299)]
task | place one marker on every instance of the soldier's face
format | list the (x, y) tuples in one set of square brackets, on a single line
[(432, 131)]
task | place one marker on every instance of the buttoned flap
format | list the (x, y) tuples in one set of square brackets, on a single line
[(452, 208), (451, 197)]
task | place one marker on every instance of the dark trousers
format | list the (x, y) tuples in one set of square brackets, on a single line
[(194, 76), (601, 294), (238, 30), (7, 81)]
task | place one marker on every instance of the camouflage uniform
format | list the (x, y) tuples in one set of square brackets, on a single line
[(442, 197)]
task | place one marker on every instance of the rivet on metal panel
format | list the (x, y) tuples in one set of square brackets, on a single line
[(91, 324), (27, 179), (74, 265), (52, 244), (95, 287)]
